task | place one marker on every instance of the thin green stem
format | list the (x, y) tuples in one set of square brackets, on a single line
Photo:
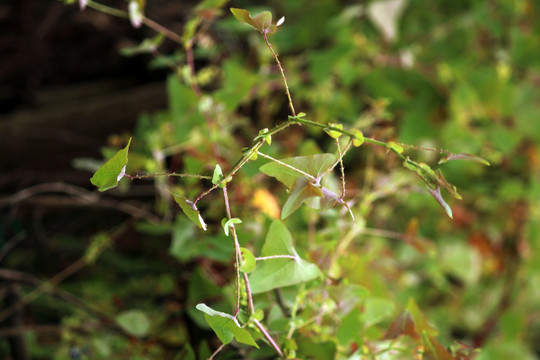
[(349, 133), (107, 9), (154, 175), (255, 146), (282, 73)]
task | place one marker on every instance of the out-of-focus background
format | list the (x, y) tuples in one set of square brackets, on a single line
[(75, 85)]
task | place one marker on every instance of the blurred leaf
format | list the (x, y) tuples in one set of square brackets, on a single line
[(134, 322), (226, 326), (237, 83), (314, 165), (98, 244), (402, 325), (145, 47), (376, 309), (419, 319), (108, 176), (433, 350), (334, 133), (276, 273)]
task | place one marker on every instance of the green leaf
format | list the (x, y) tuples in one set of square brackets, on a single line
[(145, 47), (314, 165), (464, 156), (134, 322), (302, 190), (190, 210), (99, 243), (228, 223), (358, 139), (226, 326), (376, 309), (433, 350), (218, 174), (419, 319), (334, 133), (280, 272), (108, 176), (261, 22), (247, 262)]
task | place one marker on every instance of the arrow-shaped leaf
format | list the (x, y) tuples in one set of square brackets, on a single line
[(108, 176), (280, 272), (226, 326), (191, 211), (314, 165)]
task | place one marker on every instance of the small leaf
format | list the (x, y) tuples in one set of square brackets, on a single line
[(281, 272), (263, 135), (358, 139), (190, 210), (436, 193), (419, 319), (229, 223), (314, 165), (247, 262), (376, 309), (99, 243), (226, 326), (134, 322), (334, 133), (112, 171), (301, 115), (261, 22), (464, 156), (218, 174)]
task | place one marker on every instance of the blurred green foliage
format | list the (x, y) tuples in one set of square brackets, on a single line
[(457, 75)]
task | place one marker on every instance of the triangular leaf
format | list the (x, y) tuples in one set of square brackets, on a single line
[(281, 272), (261, 22), (419, 319), (301, 191), (226, 326), (190, 210), (112, 171), (314, 165), (402, 325), (433, 350), (437, 195)]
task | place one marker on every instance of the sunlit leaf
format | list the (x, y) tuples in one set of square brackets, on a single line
[(229, 223), (226, 326), (190, 210), (134, 322), (248, 262), (275, 273), (334, 133), (314, 165), (464, 156), (358, 139), (112, 171)]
